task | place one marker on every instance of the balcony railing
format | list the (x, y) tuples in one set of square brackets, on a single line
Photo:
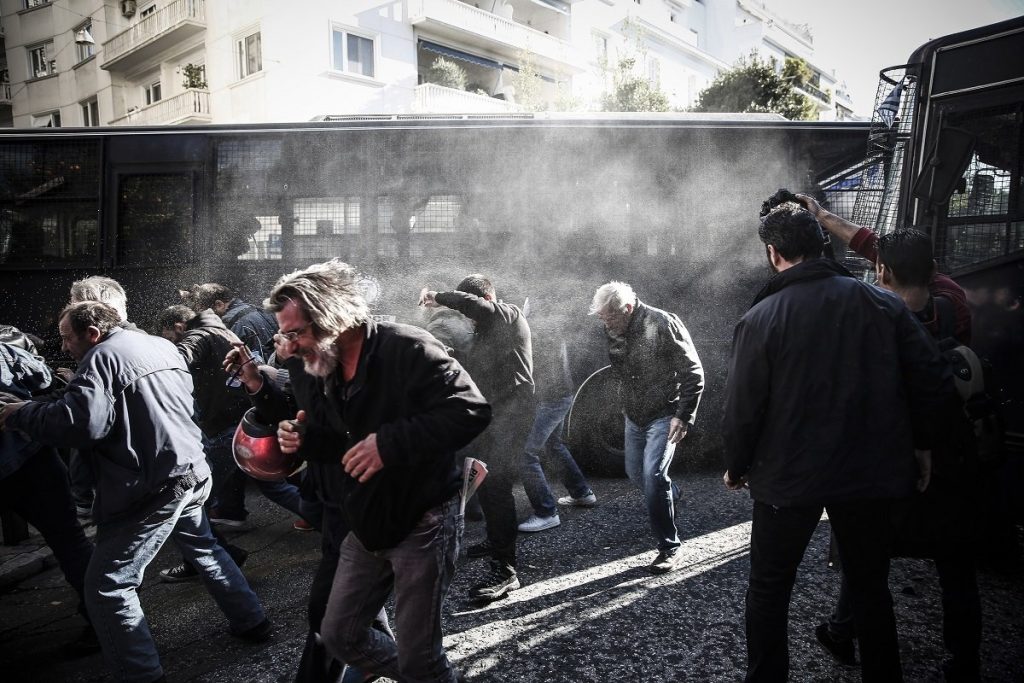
[(191, 106), (457, 20), (815, 92), (5, 94), (437, 99), (180, 19)]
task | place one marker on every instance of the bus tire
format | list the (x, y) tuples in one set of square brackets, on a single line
[(595, 429)]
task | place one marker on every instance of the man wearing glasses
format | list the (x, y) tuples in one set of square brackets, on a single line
[(379, 410)]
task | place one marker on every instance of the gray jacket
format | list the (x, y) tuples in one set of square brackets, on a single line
[(658, 366), (130, 404)]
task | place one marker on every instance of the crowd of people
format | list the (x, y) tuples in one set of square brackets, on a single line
[(838, 398)]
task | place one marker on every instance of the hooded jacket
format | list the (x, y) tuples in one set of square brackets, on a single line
[(832, 385)]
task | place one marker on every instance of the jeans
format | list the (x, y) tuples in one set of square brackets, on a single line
[(777, 542), (648, 457), (419, 569), (230, 482), (125, 547), (39, 492), (547, 431)]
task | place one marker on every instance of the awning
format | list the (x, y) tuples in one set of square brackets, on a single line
[(459, 54)]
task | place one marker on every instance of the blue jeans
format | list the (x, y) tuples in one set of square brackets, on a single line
[(648, 457), (420, 569), (124, 548), (547, 431)]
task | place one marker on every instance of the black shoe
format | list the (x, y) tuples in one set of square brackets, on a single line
[(841, 649), (499, 582), (179, 573), (84, 645), (260, 633), (666, 561), (484, 549), (237, 554)]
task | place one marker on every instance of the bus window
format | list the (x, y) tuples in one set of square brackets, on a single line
[(155, 215), (265, 243), (48, 235)]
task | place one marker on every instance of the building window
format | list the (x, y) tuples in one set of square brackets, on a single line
[(29, 4), (149, 11), (90, 113), (86, 50), (250, 54), (40, 61), (351, 53), (152, 93), (48, 120), (600, 48)]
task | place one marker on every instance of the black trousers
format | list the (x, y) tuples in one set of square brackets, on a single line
[(501, 446), (778, 540), (39, 491)]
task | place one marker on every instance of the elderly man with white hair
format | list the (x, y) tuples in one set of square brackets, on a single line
[(661, 377)]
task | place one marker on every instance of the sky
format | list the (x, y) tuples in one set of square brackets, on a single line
[(859, 38)]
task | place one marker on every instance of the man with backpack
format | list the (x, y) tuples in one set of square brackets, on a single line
[(940, 523)]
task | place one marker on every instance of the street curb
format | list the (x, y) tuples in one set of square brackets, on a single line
[(29, 561)]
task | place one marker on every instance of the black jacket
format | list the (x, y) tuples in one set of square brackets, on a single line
[(831, 385), (658, 366), (421, 404), (501, 358), (204, 346)]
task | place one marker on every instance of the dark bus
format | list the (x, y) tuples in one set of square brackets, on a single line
[(549, 206)]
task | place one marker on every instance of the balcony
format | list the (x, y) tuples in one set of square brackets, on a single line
[(468, 26), (5, 94), (437, 99), (821, 99), (166, 28), (191, 106)]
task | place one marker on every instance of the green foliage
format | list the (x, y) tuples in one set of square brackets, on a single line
[(797, 71), (195, 76), (447, 73), (754, 86), (631, 92)]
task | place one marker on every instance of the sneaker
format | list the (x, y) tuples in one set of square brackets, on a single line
[(840, 649), (179, 573), (499, 582), (302, 525), (260, 633), (666, 561), (483, 549), (587, 501), (83, 512), (535, 523)]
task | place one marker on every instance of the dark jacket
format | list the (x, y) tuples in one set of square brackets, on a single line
[(130, 402), (501, 358), (831, 385), (255, 326), (421, 404), (205, 344), (21, 374), (658, 366)]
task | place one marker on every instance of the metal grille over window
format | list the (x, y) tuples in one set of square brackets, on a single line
[(49, 204), (155, 215)]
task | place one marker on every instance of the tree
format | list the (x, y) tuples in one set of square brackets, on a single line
[(631, 92), (753, 86), (447, 73)]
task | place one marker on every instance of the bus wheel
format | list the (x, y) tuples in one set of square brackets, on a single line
[(594, 428)]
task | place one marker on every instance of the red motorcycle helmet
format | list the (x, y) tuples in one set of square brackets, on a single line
[(257, 452)]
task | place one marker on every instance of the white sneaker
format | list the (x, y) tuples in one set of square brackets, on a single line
[(587, 501), (535, 523)]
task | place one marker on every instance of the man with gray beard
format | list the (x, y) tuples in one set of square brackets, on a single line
[(379, 411)]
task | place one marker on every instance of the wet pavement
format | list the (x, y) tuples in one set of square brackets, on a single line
[(589, 609)]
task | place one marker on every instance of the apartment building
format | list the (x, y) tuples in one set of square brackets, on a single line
[(154, 62)]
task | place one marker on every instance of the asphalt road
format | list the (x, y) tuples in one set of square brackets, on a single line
[(588, 611)]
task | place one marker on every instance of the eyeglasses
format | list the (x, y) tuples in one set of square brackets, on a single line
[(294, 334)]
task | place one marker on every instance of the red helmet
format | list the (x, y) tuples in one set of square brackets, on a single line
[(257, 452)]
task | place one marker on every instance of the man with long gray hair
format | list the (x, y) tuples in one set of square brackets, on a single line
[(661, 379), (380, 409)]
